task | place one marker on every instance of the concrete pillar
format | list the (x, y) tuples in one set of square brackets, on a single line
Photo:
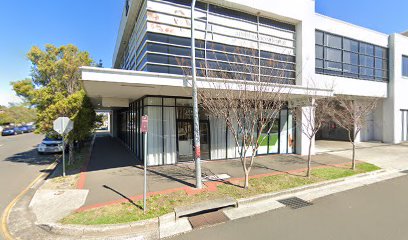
[(302, 141), (114, 123)]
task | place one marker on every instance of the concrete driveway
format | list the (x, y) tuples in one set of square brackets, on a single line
[(388, 156)]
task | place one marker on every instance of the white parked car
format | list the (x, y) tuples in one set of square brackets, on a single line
[(50, 144)]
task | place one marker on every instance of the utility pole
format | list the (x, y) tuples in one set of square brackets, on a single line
[(197, 150)]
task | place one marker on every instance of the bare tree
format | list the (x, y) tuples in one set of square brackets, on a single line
[(248, 97), (311, 119), (351, 114)]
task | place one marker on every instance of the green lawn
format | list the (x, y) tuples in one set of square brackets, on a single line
[(161, 204)]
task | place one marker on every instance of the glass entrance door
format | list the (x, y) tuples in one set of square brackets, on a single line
[(185, 140), (204, 141)]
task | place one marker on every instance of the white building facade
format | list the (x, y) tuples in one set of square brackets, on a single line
[(153, 46)]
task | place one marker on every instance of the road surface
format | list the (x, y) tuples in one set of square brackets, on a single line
[(19, 165), (378, 211)]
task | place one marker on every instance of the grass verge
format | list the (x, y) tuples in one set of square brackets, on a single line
[(162, 204)]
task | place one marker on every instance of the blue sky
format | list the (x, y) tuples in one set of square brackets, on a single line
[(92, 25)]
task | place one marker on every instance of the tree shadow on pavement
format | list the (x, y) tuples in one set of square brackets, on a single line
[(123, 196), (31, 157)]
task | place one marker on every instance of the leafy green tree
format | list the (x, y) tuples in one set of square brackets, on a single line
[(17, 114), (55, 89)]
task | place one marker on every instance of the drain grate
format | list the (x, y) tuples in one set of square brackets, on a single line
[(207, 219), (295, 202)]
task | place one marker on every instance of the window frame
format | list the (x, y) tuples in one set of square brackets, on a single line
[(379, 63)]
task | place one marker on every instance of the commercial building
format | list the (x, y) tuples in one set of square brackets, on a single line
[(154, 40)]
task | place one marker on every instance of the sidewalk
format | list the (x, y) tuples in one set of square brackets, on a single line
[(113, 173), (386, 156)]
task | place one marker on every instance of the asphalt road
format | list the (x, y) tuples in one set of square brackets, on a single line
[(19, 165), (378, 211)]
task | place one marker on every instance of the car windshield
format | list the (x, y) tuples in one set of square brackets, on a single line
[(8, 129), (53, 138)]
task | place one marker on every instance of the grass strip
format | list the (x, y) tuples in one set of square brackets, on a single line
[(162, 204)]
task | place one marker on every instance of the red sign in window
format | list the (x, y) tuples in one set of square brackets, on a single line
[(144, 124)]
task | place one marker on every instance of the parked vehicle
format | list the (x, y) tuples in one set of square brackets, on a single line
[(11, 131), (24, 129), (31, 128), (52, 143)]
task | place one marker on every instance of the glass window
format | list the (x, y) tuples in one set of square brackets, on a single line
[(319, 38), (366, 71), (350, 69), (405, 66), (367, 49), (152, 47), (380, 52), (179, 51), (334, 66), (350, 58), (350, 45), (319, 52), (333, 55), (155, 101), (333, 41), (319, 63), (381, 64), (184, 102), (367, 61)]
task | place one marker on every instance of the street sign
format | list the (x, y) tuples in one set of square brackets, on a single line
[(63, 125), (144, 124)]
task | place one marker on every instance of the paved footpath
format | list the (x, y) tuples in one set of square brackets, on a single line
[(377, 211), (19, 165), (113, 173)]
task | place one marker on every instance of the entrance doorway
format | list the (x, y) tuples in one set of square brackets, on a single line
[(185, 140)]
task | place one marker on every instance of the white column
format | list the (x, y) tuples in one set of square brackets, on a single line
[(302, 141)]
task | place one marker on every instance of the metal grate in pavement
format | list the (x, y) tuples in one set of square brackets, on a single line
[(295, 202), (208, 219)]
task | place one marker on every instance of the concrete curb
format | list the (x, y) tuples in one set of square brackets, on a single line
[(148, 229), (267, 196)]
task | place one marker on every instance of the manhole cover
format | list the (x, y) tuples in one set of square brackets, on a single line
[(295, 202), (207, 219)]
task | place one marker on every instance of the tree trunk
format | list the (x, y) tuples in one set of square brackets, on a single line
[(309, 159), (246, 185), (71, 152), (353, 159)]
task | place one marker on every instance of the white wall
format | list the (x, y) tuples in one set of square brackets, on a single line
[(398, 97)]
